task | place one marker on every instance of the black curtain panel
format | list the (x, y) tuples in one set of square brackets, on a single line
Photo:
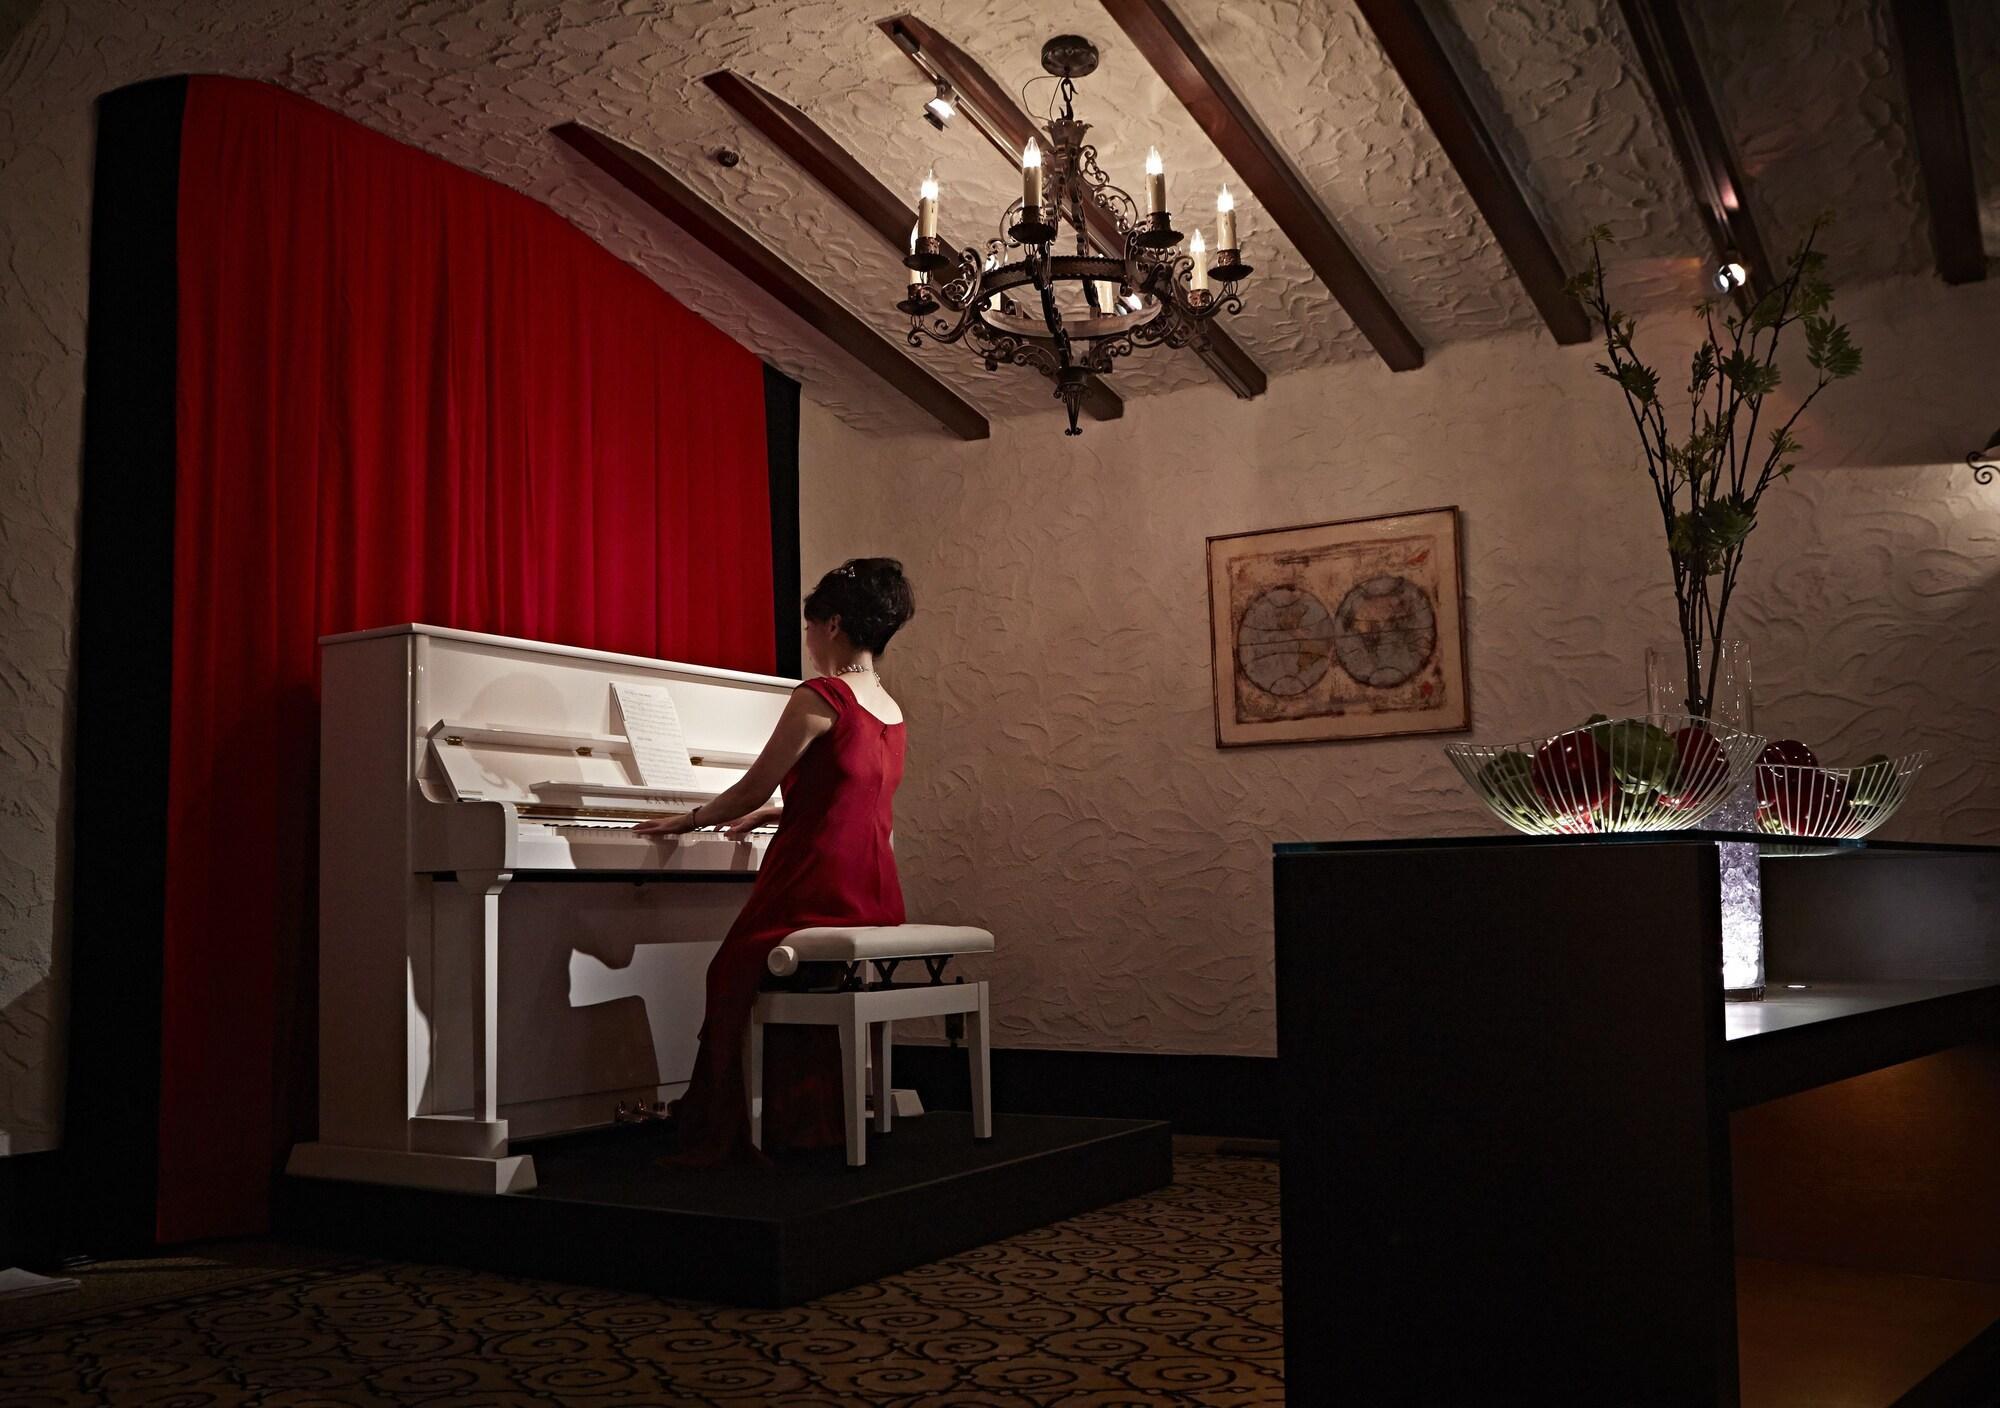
[(781, 434), (124, 674)]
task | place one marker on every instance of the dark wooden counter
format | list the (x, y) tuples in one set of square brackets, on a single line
[(1527, 1142)]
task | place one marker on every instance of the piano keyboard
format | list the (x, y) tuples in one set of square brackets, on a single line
[(610, 845)]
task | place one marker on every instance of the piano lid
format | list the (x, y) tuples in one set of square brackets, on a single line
[(574, 652)]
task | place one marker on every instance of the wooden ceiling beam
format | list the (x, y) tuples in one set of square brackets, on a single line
[(806, 144), (996, 115), (1419, 58), (743, 252), (1944, 150), (1216, 108), (1659, 31)]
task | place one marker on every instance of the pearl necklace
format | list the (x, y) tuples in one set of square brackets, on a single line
[(855, 670)]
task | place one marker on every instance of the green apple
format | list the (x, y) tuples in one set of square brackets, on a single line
[(1873, 783), (1507, 779)]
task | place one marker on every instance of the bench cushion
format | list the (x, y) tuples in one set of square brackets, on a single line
[(834, 945)]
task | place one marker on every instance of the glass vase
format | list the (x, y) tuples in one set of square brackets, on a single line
[(1724, 673), (1723, 669)]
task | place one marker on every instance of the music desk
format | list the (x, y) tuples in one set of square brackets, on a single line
[(1532, 1157)]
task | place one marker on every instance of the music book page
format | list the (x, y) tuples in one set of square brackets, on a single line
[(658, 744), (15, 1284)]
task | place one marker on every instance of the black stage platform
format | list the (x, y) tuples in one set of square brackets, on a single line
[(607, 1214)]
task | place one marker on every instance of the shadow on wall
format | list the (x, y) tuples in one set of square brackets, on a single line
[(1962, 778), (30, 1093)]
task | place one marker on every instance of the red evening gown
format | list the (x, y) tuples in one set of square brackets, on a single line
[(829, 864)]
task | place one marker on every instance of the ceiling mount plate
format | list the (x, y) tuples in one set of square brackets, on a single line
[(1069, 56)]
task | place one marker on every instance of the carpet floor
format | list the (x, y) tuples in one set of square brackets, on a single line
[(1169, 1298)]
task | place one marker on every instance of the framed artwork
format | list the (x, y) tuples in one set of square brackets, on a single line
[(1332, 631)]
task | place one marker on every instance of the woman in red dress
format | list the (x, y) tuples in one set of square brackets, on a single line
[(838, 752)]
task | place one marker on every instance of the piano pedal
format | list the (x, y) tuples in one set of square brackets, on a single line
[(639, 1112)]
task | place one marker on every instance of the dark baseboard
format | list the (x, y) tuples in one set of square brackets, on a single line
[(1233, 1097), (31, 1221)]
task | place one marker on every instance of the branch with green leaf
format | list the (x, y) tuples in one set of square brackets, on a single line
[(1711, 478)]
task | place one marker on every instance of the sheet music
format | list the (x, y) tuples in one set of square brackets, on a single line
[(659, 746)]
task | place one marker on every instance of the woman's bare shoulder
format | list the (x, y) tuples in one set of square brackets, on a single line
[(809, 701)]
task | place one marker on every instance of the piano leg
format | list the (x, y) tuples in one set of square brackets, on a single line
[(454, 1152), (486, 990), (483, 1135)]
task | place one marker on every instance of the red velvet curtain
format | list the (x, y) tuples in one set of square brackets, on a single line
[(405, 394)]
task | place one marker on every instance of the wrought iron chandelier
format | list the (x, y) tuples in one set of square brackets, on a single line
[(1070, 315)]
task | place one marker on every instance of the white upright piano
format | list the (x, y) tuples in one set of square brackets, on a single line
[(498, 953)]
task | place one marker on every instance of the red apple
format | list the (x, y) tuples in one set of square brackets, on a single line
[(1793, 790), (1571, 774), (1701, 769), (1806, 801), (1788, 753)]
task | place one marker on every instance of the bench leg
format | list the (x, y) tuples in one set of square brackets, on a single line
[(753, 1077), (854, 1083), (885, 1096), (979, 1040)]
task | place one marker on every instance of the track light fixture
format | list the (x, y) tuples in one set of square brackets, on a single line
[(942, 106), (1730, 274)]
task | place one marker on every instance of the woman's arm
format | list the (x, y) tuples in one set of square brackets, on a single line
[(750, 821), (806, 717)]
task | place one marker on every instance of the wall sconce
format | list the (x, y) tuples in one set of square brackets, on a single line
[(1985, 462)]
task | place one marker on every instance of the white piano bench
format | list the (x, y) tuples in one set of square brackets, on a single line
[(866, 1003)]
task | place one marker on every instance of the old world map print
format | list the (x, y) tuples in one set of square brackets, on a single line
[(1338, 630)]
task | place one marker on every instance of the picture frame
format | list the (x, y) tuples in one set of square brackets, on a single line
[(1336, 631)]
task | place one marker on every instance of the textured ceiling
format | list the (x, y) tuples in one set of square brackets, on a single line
[(1809, 89)]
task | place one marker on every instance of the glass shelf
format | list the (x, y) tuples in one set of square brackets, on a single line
[(1772, 846)]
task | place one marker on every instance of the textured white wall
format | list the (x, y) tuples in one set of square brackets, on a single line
[(1064, 786)]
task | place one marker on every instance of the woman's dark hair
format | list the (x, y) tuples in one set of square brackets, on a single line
[(870, 595)]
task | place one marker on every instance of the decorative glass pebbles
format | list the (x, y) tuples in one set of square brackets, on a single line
[(1656, 772)]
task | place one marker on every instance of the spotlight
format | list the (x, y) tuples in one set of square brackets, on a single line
[(940, 109), (1730, 274)]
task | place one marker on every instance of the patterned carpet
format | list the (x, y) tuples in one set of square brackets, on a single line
[(1170, 1298)]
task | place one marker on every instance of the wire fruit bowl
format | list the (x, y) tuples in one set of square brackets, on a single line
[(1653, 772), (1833, 804)]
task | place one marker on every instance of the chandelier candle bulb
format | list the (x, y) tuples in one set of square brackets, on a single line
[(1031, 176), (1198, 276), (1156, 182), (927, 204), (1225, 219)]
